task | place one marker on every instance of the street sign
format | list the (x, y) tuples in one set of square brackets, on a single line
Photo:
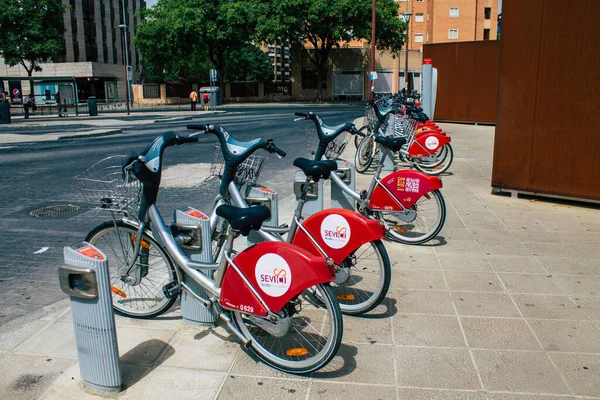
[(213, 74), (129, 73)]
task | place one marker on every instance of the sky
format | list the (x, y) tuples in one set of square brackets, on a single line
[(150, 3)]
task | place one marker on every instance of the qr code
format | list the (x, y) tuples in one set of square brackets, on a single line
[(412, 185)]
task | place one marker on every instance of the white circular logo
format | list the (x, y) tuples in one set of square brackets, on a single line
[(335, 231), (273, 275), (432, 142)]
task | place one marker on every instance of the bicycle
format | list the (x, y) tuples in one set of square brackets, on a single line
[(408, 203), (270, 295), (362, 265)]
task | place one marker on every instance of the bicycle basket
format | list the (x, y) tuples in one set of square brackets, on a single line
[(371, 118), (103, 185), (247, 172), (334, 148)]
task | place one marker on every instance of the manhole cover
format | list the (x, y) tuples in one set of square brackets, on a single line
[(54, 211)]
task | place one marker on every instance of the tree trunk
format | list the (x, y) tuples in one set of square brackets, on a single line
[(320, 78)]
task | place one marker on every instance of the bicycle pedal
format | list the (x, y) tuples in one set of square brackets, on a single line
[(171, 289)]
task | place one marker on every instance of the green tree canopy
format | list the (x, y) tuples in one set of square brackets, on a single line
[(325, 24), (182, 39), (31, 31)]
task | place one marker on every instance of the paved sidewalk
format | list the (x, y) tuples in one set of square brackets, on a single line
[(505, 304)]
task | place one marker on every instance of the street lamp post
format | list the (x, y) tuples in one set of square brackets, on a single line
[(406, 18), (126, 57), (372, 61)]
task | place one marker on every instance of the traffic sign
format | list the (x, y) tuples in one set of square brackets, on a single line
[(129, 69), (213, 74), (129, 73)]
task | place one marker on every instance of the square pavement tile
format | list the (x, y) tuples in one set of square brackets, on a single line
[(473, 281), (568, 265), (12, 338), (360, 363), (518, 371), (416, 261), (56, 340), (523, 264), (436, 368), (524, 225), (465, 262), (347, 391), (567, 336), (528, 396), (210, 349), (243, 388), (579, 238), (579, 285), (581, 371), (418, 279), (503, 249), (28, 377), (177, 383), (491, 235), (425, 394), (591, 306), (427, 330), (247, 364), (458, 247), (367, 330), (477, 224), (531, 283), (499, 333), (536, 236), (564, 226), (143, 346), (484, 304), (456, 234), (549, 307), (423, 302), (549, 250)]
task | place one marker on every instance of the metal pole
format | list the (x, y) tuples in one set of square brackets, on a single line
[(125, 71), (406, 16), (372, 63), (126, 57)]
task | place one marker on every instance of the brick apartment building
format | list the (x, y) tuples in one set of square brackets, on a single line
[(439, 21), (93, 54)]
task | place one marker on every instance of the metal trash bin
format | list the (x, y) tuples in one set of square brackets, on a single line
[(4, 112), (85, 278), (92, 106), (214, 95)]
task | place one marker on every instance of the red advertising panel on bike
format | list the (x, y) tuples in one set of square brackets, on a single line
[(278, 272), (404, 187), (427, 144)]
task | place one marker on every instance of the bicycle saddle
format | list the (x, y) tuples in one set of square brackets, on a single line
[(316, 169), (244, 219), (392, 143)]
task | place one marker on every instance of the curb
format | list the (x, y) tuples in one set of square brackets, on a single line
[(91, 135)]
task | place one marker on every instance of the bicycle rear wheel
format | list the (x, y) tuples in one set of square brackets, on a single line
[(139, 300), (440, 165), (364, 279), (365, 153), (418, 224), (312, 340)]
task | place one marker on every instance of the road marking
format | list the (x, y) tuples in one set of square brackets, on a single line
[(42, 250)]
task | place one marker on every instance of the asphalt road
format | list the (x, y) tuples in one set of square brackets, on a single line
[(33, 176)]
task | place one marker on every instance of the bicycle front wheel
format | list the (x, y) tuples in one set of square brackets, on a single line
[(364, 154), (363, 279), (312, 340), (153, 270), (419, 223)]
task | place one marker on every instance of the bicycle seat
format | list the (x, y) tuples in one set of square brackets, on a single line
[(392, 143), (316, 169), (244, 219)]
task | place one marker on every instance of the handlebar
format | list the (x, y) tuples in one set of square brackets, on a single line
[(309, 115), (271, 148), (355, 131), (186, 139)]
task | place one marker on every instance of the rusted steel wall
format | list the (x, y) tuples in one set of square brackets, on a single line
[(467, 80), (548, 126)]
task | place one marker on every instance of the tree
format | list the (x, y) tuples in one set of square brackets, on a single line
[(325, 24), (31, 32), (181, 39)]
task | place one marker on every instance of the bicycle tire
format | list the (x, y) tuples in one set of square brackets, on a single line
[(357, 138), (146, 299), (274, 351), (408, 232), (440, 166), (364, 155), (366, 285)]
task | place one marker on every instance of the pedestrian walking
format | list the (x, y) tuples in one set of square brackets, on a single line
[(194, 99), (58, 103), (205, 98), (26, 106)]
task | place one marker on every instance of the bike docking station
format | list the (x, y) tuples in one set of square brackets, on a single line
[(256, 195), (85, 278), (347, 173), (192, 223), (314, 196)]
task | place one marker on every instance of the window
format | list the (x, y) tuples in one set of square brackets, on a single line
[(452, 33), (488, 13), (486, 34), (418, 38), (453, 12), (419, 18)]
